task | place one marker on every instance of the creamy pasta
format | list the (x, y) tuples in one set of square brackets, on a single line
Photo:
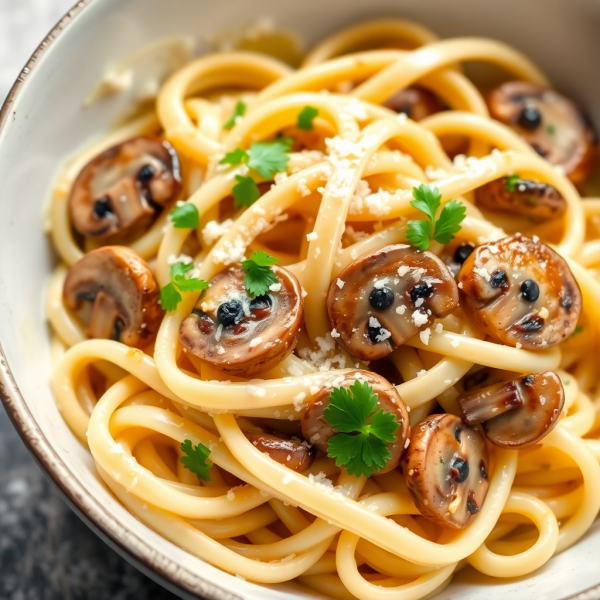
[(485, 369)]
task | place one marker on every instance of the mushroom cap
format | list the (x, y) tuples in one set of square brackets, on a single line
[(531, 199), (446, 470), (419, 287), (262, 330), (495, 293), (318, 432), (119, 190), (559, 130), (536, 402), (415, 102), (293, 454), (124, 293)]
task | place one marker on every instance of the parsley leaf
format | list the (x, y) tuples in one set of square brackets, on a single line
[(268, 158), (238, 111), (190, 285), (185, 216), (510, 182), (349, 411), (550, 129), (420, 233), (169, 297), (195, 459), (259, 276), (234, 157), (245, 192), (169, 294), (306, 118), (449, 222), (426, 200), (179, 269)]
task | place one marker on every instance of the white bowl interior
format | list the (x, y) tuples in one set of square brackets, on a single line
[(47, 122)]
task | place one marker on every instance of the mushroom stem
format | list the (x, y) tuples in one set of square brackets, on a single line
[(484, 404)]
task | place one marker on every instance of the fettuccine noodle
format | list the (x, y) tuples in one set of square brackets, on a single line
[(343, 536)]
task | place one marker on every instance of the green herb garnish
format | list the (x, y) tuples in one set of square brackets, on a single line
[(266, 158), (245, 192), (169, 294), (360, 445), (306, 117), (238, 111), (185, 216), (510, 182), (259, 275), (428, 200), (195, 459)]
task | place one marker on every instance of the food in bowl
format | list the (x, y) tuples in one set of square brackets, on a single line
[(336, 324)]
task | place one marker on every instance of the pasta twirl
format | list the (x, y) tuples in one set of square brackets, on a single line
[(340, 174)]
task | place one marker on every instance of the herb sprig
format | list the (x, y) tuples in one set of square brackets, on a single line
[(510, 182), (360, 445), (238, 111), (259, 275), (428, 200), (169, 294), (185, 216), (266, 158), (195, 459), (306, 117)]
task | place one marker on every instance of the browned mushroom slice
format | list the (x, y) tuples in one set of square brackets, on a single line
[(516, 413), (385, 297), (486, 377), (318, 432), (446, 470), (553, 125), (532, 199), (521, 293), (293, 454), (123, 291), (415, 102), (240, 334), (121, 189)]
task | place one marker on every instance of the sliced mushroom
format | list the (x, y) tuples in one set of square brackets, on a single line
[(122, 189), (553, 125), (286, 451), (387, 297), (532, 199), (486, 377), (415, 102), (521, 293), (123, 291), (241, 334), (446, 470), (318, 432), (516, 413)]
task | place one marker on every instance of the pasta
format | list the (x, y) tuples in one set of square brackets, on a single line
[(353, 165)]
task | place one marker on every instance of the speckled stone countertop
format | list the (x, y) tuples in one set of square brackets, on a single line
[(46, 552)]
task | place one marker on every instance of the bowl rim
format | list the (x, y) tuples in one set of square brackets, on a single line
[(129, 545)]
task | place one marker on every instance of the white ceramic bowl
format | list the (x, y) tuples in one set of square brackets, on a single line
[(43, 120)]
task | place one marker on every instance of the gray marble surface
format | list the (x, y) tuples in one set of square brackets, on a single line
[(46, 552)]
